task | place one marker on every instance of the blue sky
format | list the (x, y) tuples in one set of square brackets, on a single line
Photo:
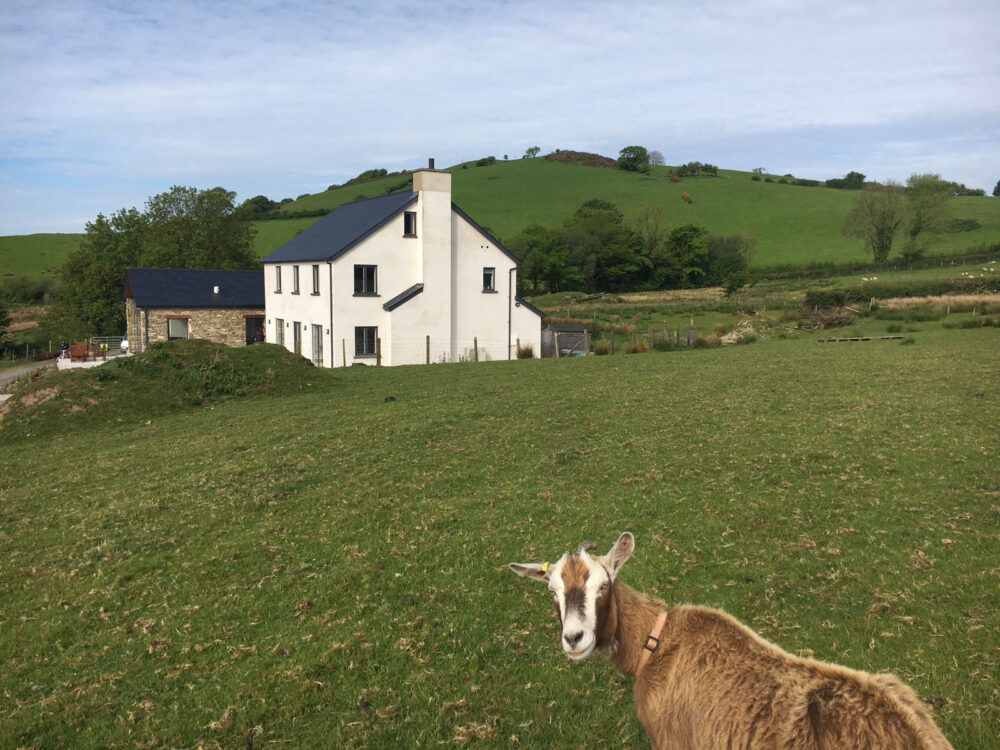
[(108, 103)]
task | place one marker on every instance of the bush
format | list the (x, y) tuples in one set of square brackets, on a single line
[(602, 347), (486, 161), (980, 322), (525, 351), (636, 347)]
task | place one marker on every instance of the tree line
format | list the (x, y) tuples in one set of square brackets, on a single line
[(596, 250)]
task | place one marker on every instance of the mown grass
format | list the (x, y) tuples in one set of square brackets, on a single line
[(327, 568)]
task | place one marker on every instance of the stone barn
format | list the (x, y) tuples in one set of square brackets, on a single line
[(168, 303)]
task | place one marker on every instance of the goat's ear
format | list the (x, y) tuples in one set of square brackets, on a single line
[(621, 552), (538, 571)]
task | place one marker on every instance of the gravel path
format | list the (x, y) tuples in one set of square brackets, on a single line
[(9, 374)]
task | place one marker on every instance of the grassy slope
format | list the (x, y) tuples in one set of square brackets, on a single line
[(793, 225), (35, 255), (327, 569)]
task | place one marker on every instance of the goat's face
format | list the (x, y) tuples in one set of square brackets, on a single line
[(581, 587)]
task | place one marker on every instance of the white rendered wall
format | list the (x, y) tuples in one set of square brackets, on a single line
[(305, 308)]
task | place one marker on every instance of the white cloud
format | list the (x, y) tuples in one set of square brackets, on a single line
[(116, 99)]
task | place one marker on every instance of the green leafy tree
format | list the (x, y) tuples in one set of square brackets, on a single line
[(532, 152), (927, 210), (876, 217), (996, 190), (633, 159), (182, 228), (259, 204), (685, 257), (4, 325)]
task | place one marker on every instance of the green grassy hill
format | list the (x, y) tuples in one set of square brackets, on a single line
[(35, 255), (793, 225), (313, 566)]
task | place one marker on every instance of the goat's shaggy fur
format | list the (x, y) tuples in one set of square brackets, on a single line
[(714, 683)]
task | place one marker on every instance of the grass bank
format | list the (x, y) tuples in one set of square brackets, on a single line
[(327, 568)]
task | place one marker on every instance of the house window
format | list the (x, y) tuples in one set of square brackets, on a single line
[(296, 337), (364, 341), (277, 279), (409, 223), (365, 278), (317, 336), (295, 279), (489, 279), (315, 279), (177, 328), (279, 331)]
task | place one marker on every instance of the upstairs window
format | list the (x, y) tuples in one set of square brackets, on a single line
[(489, 279), (277, 279), (365, 280), (295, 279), (409, 223), (315, 279)]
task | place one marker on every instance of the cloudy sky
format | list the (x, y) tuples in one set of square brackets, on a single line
[(107, 102)]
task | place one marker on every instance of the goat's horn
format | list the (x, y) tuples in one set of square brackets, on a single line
[(585, 546)]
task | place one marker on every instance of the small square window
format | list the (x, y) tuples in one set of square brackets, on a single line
[(366, 279), (364, 341), (409, 223), (177, 328), (489, 279)]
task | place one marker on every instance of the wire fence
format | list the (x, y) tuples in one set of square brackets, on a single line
[(427, 350)]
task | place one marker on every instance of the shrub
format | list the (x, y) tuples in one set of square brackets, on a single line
[(602, 347), (486, 161), (636, 347), (525, 351), (755, 178)]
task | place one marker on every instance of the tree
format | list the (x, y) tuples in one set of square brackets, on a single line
[(531, 153), (182, 228), (656, 158), (686, 256), (259, 204), (927, 198), (4, 325), (850, 181), (633, 159), (875, 218)]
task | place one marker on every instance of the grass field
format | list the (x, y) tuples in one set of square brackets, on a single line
[(35, 255), (326, 568), (793, 225)]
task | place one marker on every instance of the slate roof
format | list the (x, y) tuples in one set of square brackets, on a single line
[(193, 287), (341, 229), (402, 297)]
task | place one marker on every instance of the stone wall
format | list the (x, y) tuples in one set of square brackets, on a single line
[(222, 325)]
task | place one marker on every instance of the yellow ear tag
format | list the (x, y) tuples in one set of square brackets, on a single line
[(545, 568)]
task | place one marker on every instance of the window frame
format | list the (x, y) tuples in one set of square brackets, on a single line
[(295, 279), (492, 287), (279, 331), (277, 279), (317, 344), (362, 290), (365, 342), (315, 274), (409, 223), (176, 319)]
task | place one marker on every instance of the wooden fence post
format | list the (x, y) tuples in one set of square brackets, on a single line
[(475, 348), (428, 344), (586, 342), (343, 350), (378, 351)]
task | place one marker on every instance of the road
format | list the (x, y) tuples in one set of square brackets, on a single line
[(9, 374)]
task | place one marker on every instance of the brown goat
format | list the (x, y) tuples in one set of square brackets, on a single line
[(703, 680)]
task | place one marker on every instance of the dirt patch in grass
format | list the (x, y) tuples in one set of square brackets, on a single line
[(25, 318)]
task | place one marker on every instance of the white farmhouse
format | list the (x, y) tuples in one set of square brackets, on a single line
[(405, 278)]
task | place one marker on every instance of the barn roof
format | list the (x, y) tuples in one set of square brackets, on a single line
[(341, 229), (193, 287)]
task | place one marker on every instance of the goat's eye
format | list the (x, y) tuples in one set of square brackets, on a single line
[(604, 586)]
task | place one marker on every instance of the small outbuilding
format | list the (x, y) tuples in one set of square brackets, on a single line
[(180, 303), (565, 340)]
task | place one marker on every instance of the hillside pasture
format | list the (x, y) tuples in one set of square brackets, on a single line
[(35, 255), (328, 568)]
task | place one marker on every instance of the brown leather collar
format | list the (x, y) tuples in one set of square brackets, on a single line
[(652, 642)]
